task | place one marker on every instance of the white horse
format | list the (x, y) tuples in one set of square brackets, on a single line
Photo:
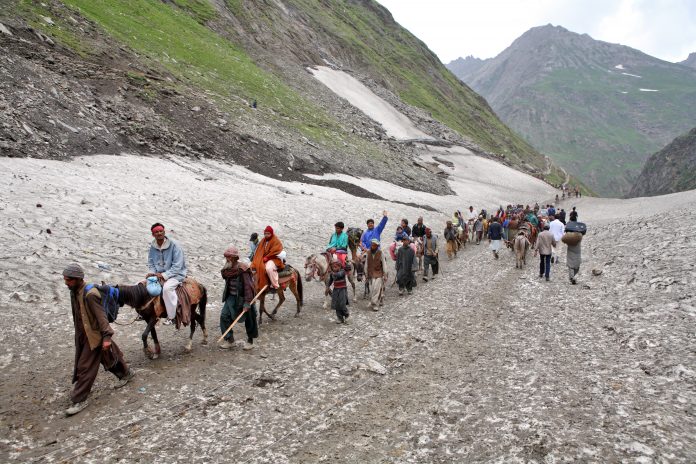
[(317, 267)]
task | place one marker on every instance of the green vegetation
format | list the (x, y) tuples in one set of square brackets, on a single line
[(600, 136), (201, 10), (61, 31), (175, 39)]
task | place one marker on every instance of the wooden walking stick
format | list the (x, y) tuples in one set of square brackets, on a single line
[(242, 313)]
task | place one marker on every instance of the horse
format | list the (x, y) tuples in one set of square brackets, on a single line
[(521, 245), (359, 264), (289, 277), (151, 309), (420, 251), (317, 267)]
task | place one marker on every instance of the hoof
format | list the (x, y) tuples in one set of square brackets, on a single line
[(297, 314), (148, 352), (204, 341), (188, 347), (155, 356)]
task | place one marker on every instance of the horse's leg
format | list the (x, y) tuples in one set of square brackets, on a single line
[(351, 279), (149, 327), (293, 289), (189, 345), (327, 298), (157, 351), (262, 309), (281, 299)]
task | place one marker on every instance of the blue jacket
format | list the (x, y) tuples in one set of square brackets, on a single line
[(169, 260), (495, 231), (339, 242), (376, 232)]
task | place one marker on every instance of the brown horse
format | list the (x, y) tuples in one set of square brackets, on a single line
[(521, 246), (151, 309), (294, 281)]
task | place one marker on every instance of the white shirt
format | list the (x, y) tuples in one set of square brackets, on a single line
[(472, 215), (557, 228)]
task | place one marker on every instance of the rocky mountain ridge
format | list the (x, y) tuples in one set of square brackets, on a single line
[(597, 109), (670, 170)]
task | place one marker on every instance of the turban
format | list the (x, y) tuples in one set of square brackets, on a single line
[(268, 229), (158, 229), (428, 229), (74, 271), (232, 251)]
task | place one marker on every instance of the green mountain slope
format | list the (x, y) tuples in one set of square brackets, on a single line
[(597, 109), (223, 54), (670, 170)]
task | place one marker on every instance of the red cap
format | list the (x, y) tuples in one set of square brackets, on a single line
[(268, 229)]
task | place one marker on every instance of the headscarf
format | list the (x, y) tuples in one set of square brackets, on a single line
[(74, 271), (231, 252), (268, 229)]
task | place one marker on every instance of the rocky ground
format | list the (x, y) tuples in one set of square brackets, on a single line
[(486, 363)]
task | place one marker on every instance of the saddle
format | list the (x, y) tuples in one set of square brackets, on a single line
[(188, 293)]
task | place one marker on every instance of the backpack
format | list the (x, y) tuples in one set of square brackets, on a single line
[(109, 299)]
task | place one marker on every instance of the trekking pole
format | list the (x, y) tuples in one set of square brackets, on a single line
[(241, 314)]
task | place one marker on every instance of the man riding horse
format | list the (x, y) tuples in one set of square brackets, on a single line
[(338, 244), (166, 261), (266, 262)]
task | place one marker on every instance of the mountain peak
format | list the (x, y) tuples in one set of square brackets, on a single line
[(690, 61)]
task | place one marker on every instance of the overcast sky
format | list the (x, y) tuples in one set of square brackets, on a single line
[(665, 29)]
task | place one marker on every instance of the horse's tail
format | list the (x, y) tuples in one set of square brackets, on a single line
[(203, 302), (298, 279)]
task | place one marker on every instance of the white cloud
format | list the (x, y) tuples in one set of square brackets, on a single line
[(484, 28)]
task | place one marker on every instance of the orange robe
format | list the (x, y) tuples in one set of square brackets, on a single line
[(268, 248)]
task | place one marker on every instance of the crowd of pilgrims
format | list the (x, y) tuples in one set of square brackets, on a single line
[(414, 248)]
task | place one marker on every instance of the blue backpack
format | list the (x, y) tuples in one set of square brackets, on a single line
[(109, 299)]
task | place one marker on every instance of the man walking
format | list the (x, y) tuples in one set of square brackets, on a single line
[(557, 229), (405, 259), (237, 297), (376, 273), (545, 244), (430, 254), (93, 344), (495, 236), (166, 261)]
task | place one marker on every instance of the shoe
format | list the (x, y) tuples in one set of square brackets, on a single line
[(226, 345), (541, 275), (401, 293), (125, 379), (432, 278), (425, 279), (410, 292), (168, 322), (346, 321), (547, 279), (573, 281), (272, 290), (248, 346), (339, 320), (75, 408), (375, 308)]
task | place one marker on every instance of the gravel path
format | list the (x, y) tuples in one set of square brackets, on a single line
[(486, 363)]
